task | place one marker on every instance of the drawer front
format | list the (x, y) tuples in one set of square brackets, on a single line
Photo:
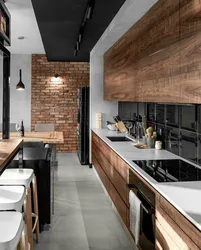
[(186, 226), (101, 173), (95, 139), (121, 186), (122, 168), (163, 240), (173, 230), (108, 152), (107, 167), (119, 204)]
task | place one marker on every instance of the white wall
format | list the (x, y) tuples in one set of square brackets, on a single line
[(108, 109), (20, 101)]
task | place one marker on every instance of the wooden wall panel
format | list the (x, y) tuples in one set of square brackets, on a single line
[(158, 59)]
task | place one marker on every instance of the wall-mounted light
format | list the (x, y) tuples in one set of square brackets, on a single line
[(56, 78), (20, 85)]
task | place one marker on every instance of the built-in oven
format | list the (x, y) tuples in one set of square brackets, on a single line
[(147, 213)]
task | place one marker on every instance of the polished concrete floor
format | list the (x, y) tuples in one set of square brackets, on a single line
[(83, 217)]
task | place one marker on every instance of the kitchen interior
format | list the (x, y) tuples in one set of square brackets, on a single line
[(100, 125)]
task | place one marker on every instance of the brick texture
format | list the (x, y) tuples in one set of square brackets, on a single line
[(56, 103)]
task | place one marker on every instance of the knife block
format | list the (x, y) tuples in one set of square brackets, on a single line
[(121, 126)]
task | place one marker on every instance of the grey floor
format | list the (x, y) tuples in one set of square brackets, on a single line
[(83, 218)]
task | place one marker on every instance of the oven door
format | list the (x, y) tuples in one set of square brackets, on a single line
[(147, 223)]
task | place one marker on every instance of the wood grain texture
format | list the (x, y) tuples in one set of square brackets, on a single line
[(174, 231), (8, 149), (163, 240), (46, 137), (158, 59), (112, 180), (179, 224)]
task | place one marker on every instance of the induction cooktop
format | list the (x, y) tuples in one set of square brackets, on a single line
[(170, 170)]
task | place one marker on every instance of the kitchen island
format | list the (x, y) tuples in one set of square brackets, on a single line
[(177, 200)]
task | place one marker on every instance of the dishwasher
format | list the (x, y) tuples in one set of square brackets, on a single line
[(147, 214)]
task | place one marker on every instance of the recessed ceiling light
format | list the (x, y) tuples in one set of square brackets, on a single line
[(21, 37)]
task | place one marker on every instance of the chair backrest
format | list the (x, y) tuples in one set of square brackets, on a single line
[(12, 127), (33, 144), (44, 127)]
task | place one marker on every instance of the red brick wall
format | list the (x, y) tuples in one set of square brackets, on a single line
[(57, 102)]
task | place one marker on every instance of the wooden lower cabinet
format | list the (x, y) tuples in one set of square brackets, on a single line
[(172, 230), (111, 179), (163, 240), (119, 204), (170, 235), (105, 180)]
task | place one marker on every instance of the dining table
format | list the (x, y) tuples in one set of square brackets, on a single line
[(50, 138), (46, 137)]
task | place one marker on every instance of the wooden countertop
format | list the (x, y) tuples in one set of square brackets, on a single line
[(46, 137), (8, 149)]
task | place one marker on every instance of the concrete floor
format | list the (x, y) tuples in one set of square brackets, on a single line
[(83, 218)]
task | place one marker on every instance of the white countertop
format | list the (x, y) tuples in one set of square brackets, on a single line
[(185, 196)]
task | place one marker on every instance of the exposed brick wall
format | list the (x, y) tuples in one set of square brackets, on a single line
[(57, 102)]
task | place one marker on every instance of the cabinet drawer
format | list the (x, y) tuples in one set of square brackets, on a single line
[(107, 167), (95, 139), (122, 168), (163, 240), (119, 204), (174, 231), (121, 186), (101, 173), (189, 229), (109, 154)]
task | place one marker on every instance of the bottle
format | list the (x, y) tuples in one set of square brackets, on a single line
[(22, 129)]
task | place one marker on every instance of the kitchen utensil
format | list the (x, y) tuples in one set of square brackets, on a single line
[(150, 142), (144, 123)]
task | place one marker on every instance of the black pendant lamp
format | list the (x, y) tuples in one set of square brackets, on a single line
[(20, 85)]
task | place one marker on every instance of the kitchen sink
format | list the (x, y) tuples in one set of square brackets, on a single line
[(118, 138)]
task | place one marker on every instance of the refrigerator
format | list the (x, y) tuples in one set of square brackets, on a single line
[(83, 125)]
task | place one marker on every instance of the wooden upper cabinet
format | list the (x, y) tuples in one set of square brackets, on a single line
[(158, 59)]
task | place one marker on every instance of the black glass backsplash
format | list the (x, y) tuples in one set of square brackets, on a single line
[(178, 126)]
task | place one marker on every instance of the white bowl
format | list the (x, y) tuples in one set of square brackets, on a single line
[(111, 127)]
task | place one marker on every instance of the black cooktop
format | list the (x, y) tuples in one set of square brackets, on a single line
[(170, 170)]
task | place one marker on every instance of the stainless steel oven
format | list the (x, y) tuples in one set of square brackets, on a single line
[(147, 218)]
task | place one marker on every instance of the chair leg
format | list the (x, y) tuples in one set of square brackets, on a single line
[(28, 217), (35, 200), (23, 244)]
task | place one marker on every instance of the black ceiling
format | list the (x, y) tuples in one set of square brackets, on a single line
[(59, 23)]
